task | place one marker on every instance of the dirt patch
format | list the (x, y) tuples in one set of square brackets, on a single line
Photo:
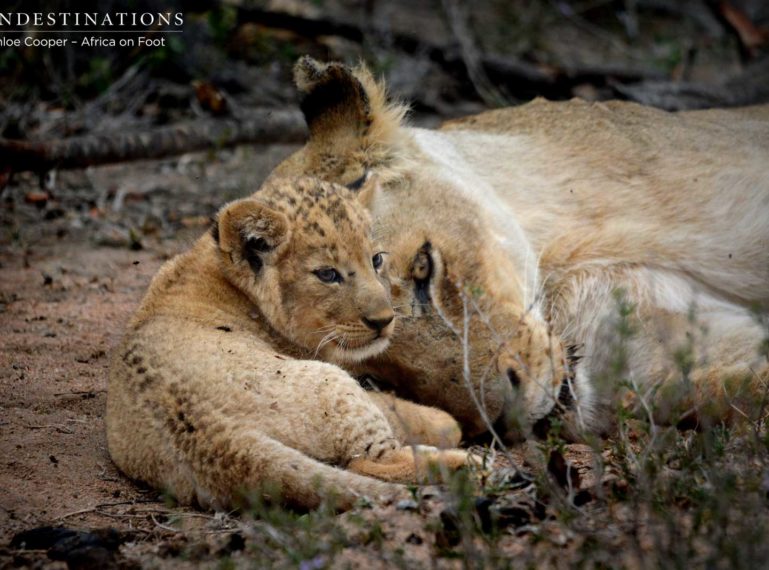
[(63, 314)]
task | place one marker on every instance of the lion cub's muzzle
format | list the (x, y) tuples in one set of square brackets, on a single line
[(379, 323), (367, 337)]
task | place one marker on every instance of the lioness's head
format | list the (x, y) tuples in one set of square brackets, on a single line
[(471, 338), (301, 250)]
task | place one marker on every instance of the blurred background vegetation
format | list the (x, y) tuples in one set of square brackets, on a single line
[(446, 57)]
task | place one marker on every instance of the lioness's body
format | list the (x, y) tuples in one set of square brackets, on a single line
[(535, 218), (621, 183), (213, 394)]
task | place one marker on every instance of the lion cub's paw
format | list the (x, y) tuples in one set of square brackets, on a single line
[(440, 430), (418, 464), (435, 465)]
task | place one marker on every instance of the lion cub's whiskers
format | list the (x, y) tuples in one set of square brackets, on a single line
[(324, 341)]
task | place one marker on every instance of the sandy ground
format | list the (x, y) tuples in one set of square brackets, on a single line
[(65, 309)]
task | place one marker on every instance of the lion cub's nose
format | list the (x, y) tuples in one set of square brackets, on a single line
[(379, 322)]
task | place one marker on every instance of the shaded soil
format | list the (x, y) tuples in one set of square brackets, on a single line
[(54, 359)]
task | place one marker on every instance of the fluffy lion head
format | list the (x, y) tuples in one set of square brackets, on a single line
[(301, 250)]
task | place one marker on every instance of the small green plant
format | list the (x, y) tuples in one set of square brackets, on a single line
[(222, 21), (160, 58), (98, 77)]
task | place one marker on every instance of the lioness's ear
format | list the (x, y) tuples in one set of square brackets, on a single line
[(250, 230), (335, 102)]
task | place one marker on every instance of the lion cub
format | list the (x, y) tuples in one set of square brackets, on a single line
[(215, 393)]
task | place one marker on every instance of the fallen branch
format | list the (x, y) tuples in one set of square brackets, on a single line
[(262, 126)]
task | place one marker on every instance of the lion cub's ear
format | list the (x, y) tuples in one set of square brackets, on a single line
[(250, 230), (335, 102)]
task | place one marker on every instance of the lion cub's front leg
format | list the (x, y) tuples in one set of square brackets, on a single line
[(415, 424), (420, 430), (329, 416)]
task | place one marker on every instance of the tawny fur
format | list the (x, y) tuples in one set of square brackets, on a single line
[(215, 393), (539, 223)]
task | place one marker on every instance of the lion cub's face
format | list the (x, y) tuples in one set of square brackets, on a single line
[(301, 250)]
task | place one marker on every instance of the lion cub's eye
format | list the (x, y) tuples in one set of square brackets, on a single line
[(377, 260), (328, 275)]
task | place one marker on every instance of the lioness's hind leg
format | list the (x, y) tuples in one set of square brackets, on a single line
[(416, 424), (713, 395), (702, 368), (417, 464)]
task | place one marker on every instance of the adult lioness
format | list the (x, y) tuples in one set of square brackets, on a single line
[(521, 236), (212, 395)]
